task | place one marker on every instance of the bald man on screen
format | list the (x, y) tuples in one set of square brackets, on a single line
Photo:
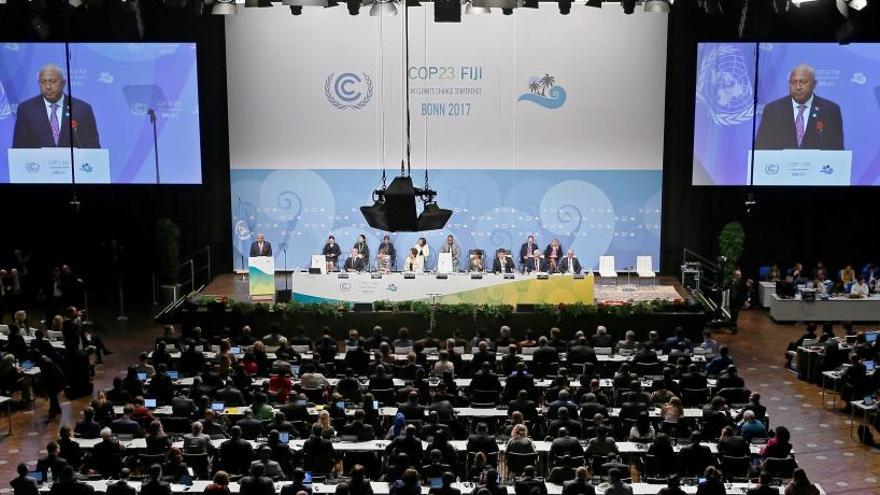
[(801, 120), (49, 119)]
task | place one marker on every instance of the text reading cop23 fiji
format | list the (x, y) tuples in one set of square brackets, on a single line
[(449, 72)]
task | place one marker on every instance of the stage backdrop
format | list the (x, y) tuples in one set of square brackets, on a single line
[(534, 123)]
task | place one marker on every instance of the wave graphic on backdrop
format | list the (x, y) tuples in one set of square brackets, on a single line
[(555, 99)]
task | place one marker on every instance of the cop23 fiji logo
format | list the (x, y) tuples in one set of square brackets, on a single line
[(545, 92), (348, 90)]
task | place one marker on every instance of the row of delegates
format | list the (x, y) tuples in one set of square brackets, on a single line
[(552, 260)]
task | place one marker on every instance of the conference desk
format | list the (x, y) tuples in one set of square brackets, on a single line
[(380, 488), (482, 288), (626, 448), (57, 344), (8, 402), (765, 291), (836, 308)]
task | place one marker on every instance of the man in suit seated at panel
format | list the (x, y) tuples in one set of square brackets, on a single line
[(502, 262), (569, 263), (354, 263)]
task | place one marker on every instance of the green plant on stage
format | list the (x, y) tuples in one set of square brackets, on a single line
[(167, 251), (731, 243)]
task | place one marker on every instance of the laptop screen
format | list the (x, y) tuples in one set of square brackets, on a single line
[(142, 377), (37, 475), (172, 374), (308, 478), (150, 403), (27, 365), (283, 437), (435, 482), (236, 350), (217, 406), (870, 337), (870, 365), (294, 370)]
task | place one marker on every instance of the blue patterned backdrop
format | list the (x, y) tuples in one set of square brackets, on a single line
[(596, 212)]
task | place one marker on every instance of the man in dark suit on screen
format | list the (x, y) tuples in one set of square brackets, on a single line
[(46, 120), (801, 120), (261, 247)]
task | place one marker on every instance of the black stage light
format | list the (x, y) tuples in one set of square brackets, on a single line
[(354, 7), (507, 11), (394, 208), (629, 6), (530, 4), (447, 11), (594, 3), (564, 6), (296, 9)]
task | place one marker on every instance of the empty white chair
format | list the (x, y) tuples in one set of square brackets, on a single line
[(645, 269), (606, 268)]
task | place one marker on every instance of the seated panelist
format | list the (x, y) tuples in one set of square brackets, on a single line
[(414, 262), (476, 263), (569, 263), (502, 262), (354, 263), (331, 253), (536, 264)]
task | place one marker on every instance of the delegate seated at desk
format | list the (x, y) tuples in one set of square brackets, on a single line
[(354, 263)]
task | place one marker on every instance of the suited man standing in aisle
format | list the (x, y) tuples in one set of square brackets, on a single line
[(261, 247)]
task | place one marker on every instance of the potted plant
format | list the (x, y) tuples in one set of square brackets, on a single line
[(168, 259), (731, 243)]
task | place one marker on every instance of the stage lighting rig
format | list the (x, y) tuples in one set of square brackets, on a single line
[(564, 6), (594, 3), (394, 205), (629, 6)]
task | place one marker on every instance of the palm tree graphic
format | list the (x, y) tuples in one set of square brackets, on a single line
[(534, 86), (547, 82)]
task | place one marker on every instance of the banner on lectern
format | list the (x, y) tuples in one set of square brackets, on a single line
[(261, 276)]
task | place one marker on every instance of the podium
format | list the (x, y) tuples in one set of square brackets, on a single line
[(800, 168), (261, 276), (53, 165)]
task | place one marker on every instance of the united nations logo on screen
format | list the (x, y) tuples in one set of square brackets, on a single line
[(724, 86), (348, 90), (771, 169), (32, 167)]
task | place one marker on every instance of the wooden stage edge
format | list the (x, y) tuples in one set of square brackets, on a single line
[(234, 285)]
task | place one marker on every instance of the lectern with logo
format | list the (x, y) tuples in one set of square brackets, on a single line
[(261, 276)]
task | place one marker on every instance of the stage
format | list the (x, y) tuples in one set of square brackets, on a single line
[(234, 287)]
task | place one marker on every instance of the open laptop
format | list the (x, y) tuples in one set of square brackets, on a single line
[(294, 371), (870, 337), (283, 437), (172, 374), (218, 407), (602, 351), (236, 350), (435, 482), (870, 364), (300, 349), (142, 376), (36, 475), (150, 403), (307, 480), (27, 365)]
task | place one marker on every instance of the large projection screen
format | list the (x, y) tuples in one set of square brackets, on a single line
[(528, 124), (787, 114)]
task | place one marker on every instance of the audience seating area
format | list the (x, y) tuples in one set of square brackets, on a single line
[(390, 414)]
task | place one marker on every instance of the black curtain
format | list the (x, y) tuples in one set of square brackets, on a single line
[(788, 224), (120, 219)]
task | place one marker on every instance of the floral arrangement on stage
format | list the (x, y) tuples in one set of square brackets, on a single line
[(498, 312)]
